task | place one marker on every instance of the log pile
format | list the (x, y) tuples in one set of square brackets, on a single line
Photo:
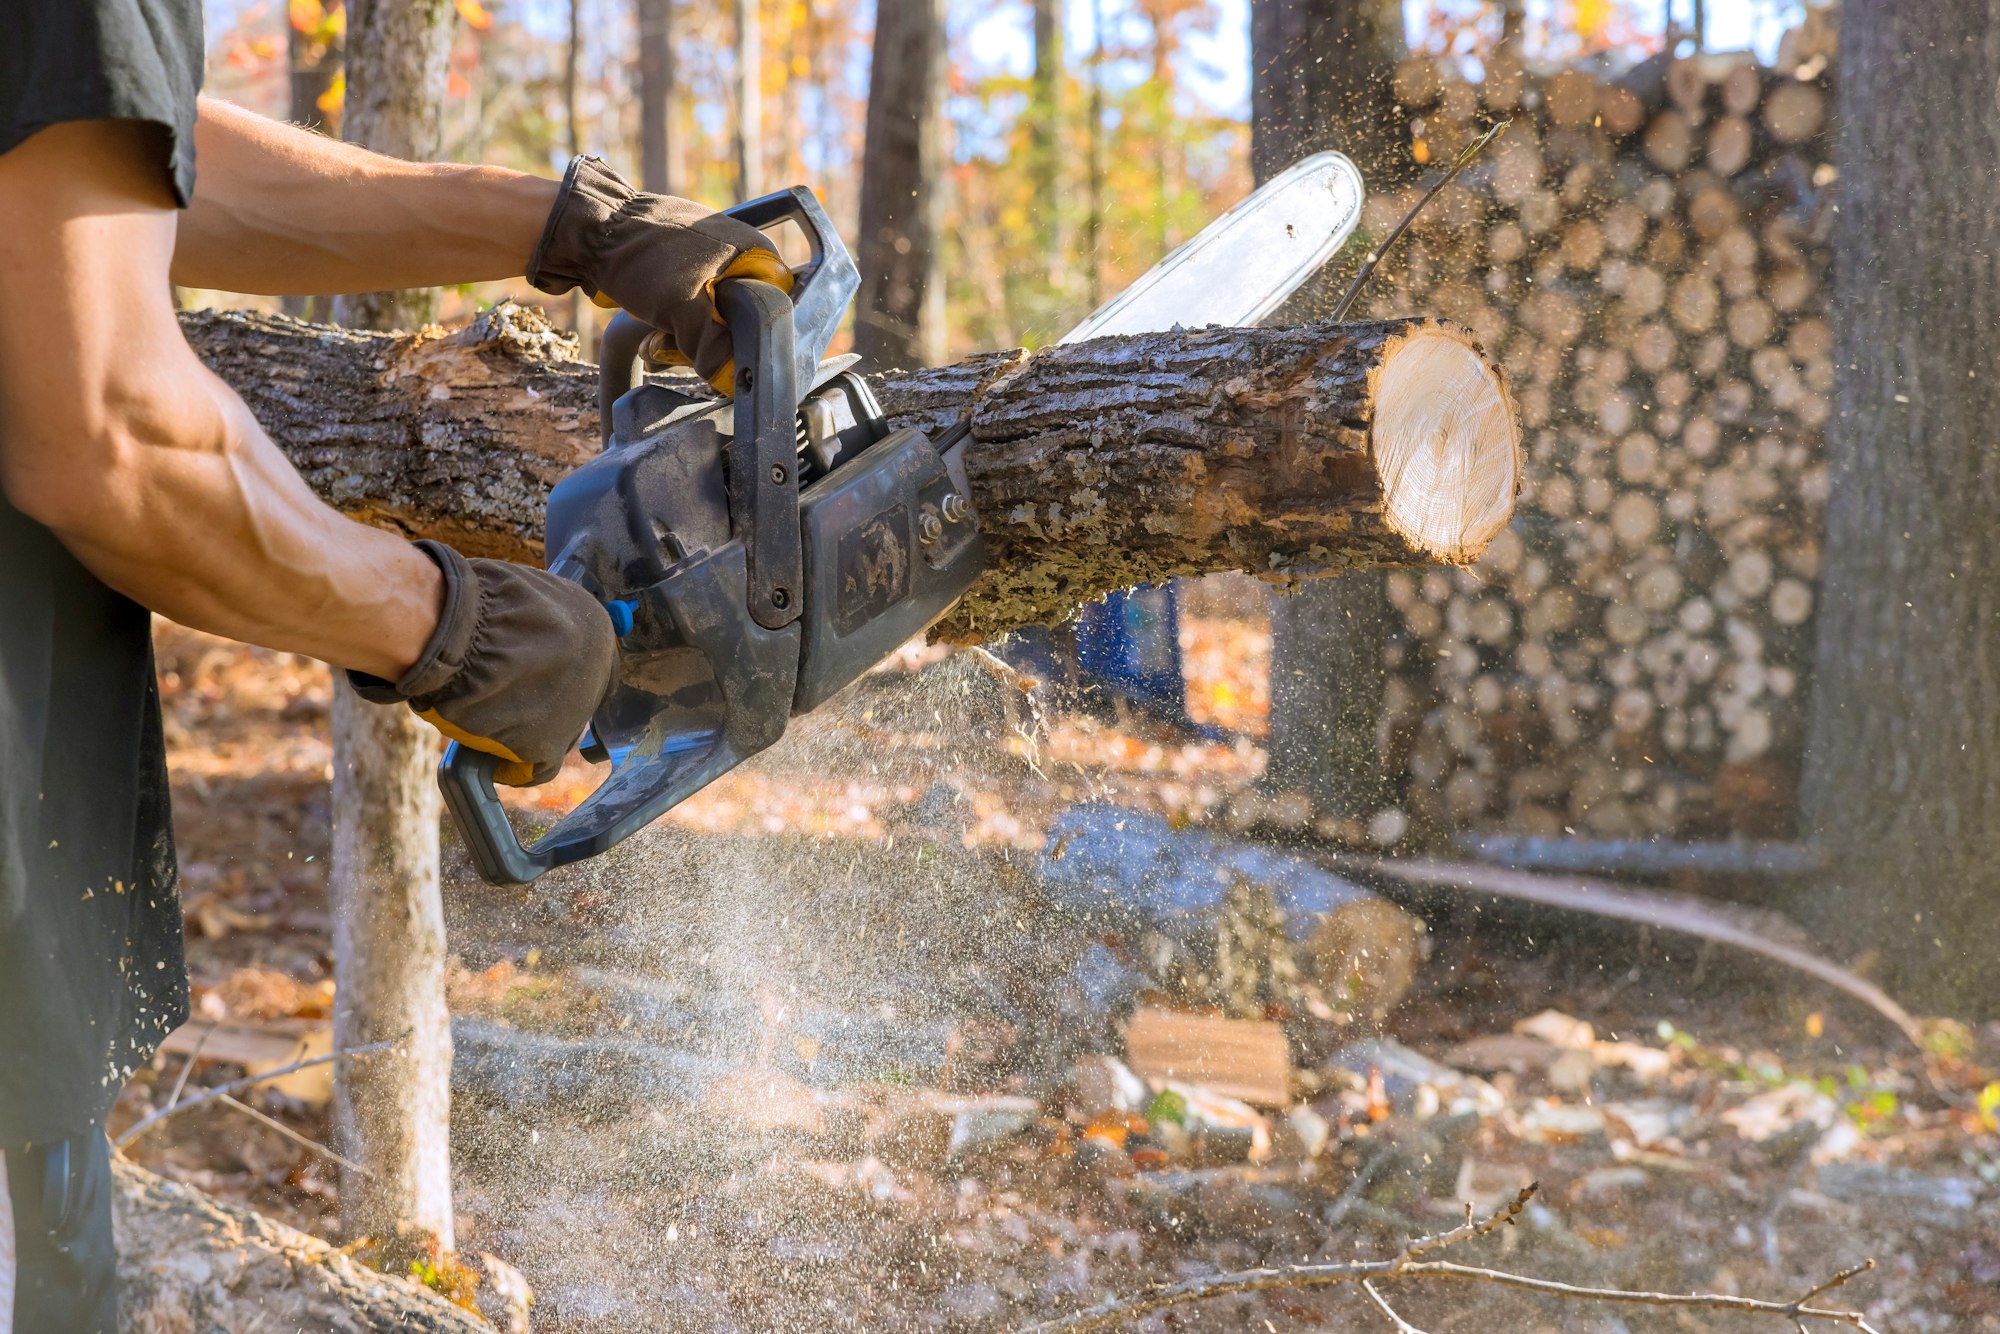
[(1648, 260)]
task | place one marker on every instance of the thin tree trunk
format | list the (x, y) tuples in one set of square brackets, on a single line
[(749, 99), (572, 56), (1902, 763), (1322, 73), (1094, 466), (392, 1116), (1045, 140), (656, 91), (1093, 222), (1163, 104), (896, 322), (312, 65)]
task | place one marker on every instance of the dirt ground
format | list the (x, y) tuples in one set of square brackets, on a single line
[(818, 1052)]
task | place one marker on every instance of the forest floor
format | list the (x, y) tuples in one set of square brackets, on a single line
[(815, 1053)]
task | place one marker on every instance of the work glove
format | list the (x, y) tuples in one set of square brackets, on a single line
[(658, 257), (519, 661)]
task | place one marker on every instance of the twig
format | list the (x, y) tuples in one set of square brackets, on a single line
[(188, 1069), (1402, 1326), (1832, 1283), (248, 1081), (1404, 1267), (1213, 1285), (294, 1136), (1469, 1229), (1375, 256), (1711, 1301)]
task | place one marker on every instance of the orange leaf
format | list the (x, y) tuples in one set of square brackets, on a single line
[(475, 14), (305, 15), (1592, 17)]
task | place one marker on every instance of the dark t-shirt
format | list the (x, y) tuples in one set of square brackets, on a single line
[(63, 60), (91, 969)]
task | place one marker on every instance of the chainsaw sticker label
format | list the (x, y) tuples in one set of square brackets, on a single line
[(874, 568)]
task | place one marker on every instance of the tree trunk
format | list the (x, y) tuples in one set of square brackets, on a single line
[(572, 56), (656, 90), (189, 1262), (1093, 218), (312, 61), (1902, 763), (1094, 466), (749, 99), (1323, 72), (397, 52), (391, 1116), (1045, 140), (901, 178)]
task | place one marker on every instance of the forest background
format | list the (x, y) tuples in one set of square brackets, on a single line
[(1145, 104)]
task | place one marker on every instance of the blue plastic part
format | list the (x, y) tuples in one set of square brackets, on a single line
[(621, 616)]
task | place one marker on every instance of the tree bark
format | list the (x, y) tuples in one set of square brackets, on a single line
[(656, 90), (1902, 763), (896, 320), (1094, 466), (189, 1262), (1323, 78), (391, 1116)]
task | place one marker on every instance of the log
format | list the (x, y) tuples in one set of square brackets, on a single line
[(189, 1262), (1127, 871), (1095, 466)]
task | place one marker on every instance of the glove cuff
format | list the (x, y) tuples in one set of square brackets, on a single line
[(566, 256), (444, 656)]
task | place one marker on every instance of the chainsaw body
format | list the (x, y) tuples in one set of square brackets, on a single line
[(756, 555)]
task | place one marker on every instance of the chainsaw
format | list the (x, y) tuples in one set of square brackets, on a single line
[(758, 554)]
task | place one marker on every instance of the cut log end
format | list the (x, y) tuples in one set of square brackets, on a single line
[(1447, 444)]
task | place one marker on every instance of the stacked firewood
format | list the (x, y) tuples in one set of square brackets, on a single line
[(1648, 260)]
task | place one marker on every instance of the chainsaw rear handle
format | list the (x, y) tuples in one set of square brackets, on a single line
[(822, 289)]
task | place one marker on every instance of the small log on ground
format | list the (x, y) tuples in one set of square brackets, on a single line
[(188, 1262), (1094, 466), (1132, 872)]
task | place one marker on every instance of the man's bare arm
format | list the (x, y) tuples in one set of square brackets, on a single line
[(281, 211), (144, 464)]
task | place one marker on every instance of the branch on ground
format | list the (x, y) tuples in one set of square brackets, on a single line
[(1405, 1266)]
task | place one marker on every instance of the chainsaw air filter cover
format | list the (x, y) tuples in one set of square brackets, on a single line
[(744, 597)]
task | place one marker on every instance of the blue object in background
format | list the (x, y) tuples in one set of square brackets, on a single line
[(1130, 645)]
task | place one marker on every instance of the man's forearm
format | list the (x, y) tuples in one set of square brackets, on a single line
[(281, 211)]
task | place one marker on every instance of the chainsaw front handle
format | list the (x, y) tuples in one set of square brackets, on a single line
[(822, 289)]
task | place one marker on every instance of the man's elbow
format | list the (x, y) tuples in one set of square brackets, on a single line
[(95, 475), (74, 491)]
